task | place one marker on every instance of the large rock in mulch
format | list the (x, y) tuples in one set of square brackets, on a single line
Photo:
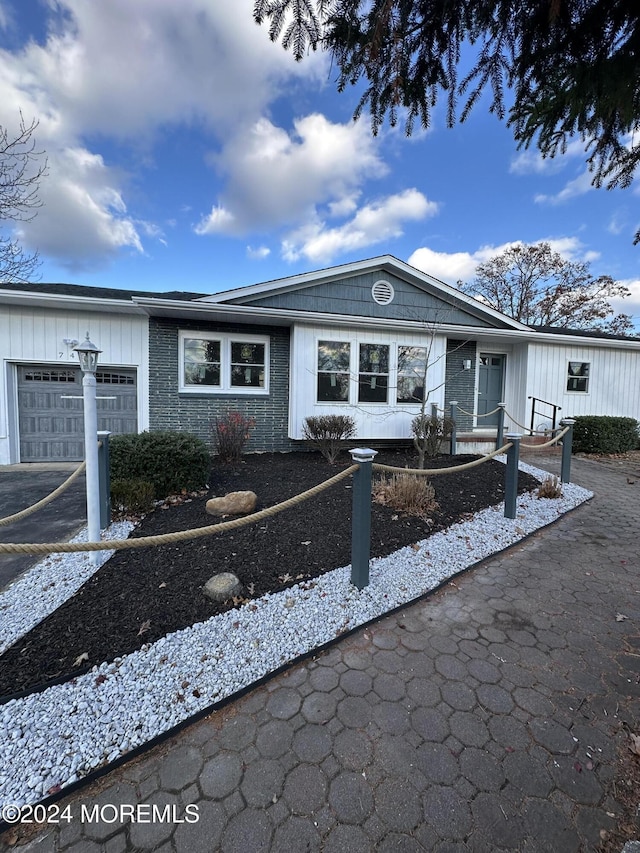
[(233, 503), (223, 586)]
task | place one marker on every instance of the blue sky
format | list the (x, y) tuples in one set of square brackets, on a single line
[(188, 152)]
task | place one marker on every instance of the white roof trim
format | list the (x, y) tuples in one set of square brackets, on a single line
[(386, 262), (64, 301), (287, 317)]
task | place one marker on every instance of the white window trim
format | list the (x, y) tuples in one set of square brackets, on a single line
[(225, 386), (567, 376), (334, 340)]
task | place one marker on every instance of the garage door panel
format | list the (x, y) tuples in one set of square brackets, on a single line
[(52, 421)]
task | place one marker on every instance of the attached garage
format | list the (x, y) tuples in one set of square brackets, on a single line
[(50, 410)]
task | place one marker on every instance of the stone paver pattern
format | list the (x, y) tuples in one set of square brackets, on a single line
[(483, 718)]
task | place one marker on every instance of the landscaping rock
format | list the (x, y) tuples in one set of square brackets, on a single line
[(222, 586), (233, 503)]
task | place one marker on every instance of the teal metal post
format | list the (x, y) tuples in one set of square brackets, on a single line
[(500, 433), (454, 432), (361, 516), (104, 475), (511, 474), (567, 445)]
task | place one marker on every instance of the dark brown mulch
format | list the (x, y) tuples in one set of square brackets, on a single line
[(139, 596)]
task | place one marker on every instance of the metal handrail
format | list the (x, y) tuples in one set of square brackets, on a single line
[(534, 412)]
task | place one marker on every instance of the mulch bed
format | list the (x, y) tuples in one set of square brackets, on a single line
[(139, 596)]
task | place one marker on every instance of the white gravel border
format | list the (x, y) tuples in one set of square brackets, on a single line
[(53, 738)]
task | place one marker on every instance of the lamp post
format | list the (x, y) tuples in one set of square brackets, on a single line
[(88, 356)]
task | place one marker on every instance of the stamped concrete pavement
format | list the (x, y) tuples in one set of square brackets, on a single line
[(485, 718)]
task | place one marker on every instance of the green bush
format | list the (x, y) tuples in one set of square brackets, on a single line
[(132, 495), (172, 461), (328, 433), (604, 434)]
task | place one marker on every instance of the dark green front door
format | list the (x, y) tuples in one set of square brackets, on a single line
[(490, 387)]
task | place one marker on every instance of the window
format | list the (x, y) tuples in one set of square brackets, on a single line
[(52, 375), (333, 371), (214, 362), (578, 376), (247, 365), (412, 364), (201, 362), (373, 376)]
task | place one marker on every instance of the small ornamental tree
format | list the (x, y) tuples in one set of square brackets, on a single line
[(429, 433)]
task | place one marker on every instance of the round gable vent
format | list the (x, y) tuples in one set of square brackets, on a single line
[(382, 292)]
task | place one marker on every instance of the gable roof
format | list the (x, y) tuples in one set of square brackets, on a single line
[(254, 295)]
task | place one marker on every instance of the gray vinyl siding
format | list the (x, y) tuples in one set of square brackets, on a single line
[(194, 413), (459, 383), (352, 296)]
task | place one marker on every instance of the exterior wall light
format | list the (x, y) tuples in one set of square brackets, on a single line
[(466, 364)]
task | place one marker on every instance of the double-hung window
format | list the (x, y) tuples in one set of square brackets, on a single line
[(373, 376), (412, 369), (578, 376), (212, 362), (334, 358)]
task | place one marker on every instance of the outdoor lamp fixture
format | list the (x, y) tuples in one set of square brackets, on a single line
[(466, 364), (88, 357)]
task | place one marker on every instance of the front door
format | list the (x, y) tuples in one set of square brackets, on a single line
[(490, 385)]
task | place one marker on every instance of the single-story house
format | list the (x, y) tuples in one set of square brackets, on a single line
[(366, 339)]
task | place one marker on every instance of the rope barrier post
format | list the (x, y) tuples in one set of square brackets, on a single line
[(511, 474), (500, 434), (454, 430), (104, 478), (361, 516), (567, 446)]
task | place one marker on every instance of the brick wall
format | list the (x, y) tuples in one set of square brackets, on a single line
[(168, 409), (459, 383)]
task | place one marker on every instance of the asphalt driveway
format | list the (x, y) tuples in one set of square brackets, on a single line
[(22, 486)]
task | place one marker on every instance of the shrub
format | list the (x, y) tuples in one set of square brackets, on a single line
[(172, 461), (230, 435), (429, 432), (406, 493), (550, 487), (604, 434), (132, 496), (328, 433)]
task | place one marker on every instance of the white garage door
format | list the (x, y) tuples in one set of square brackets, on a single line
[(52, 425)]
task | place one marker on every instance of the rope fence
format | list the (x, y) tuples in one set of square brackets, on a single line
[(528, 429), (179, 536), (553, 441), (485, 415), (54, 494), (435, 471)]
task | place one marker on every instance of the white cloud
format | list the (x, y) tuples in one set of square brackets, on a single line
[(374, 223), (258, 253), (452, 267), (577, 187), (128, 71), (531, 162), (276, 178), (84, 216), (630, 305)]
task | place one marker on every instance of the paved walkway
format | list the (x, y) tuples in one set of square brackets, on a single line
[(22, 486), (483, 719)]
